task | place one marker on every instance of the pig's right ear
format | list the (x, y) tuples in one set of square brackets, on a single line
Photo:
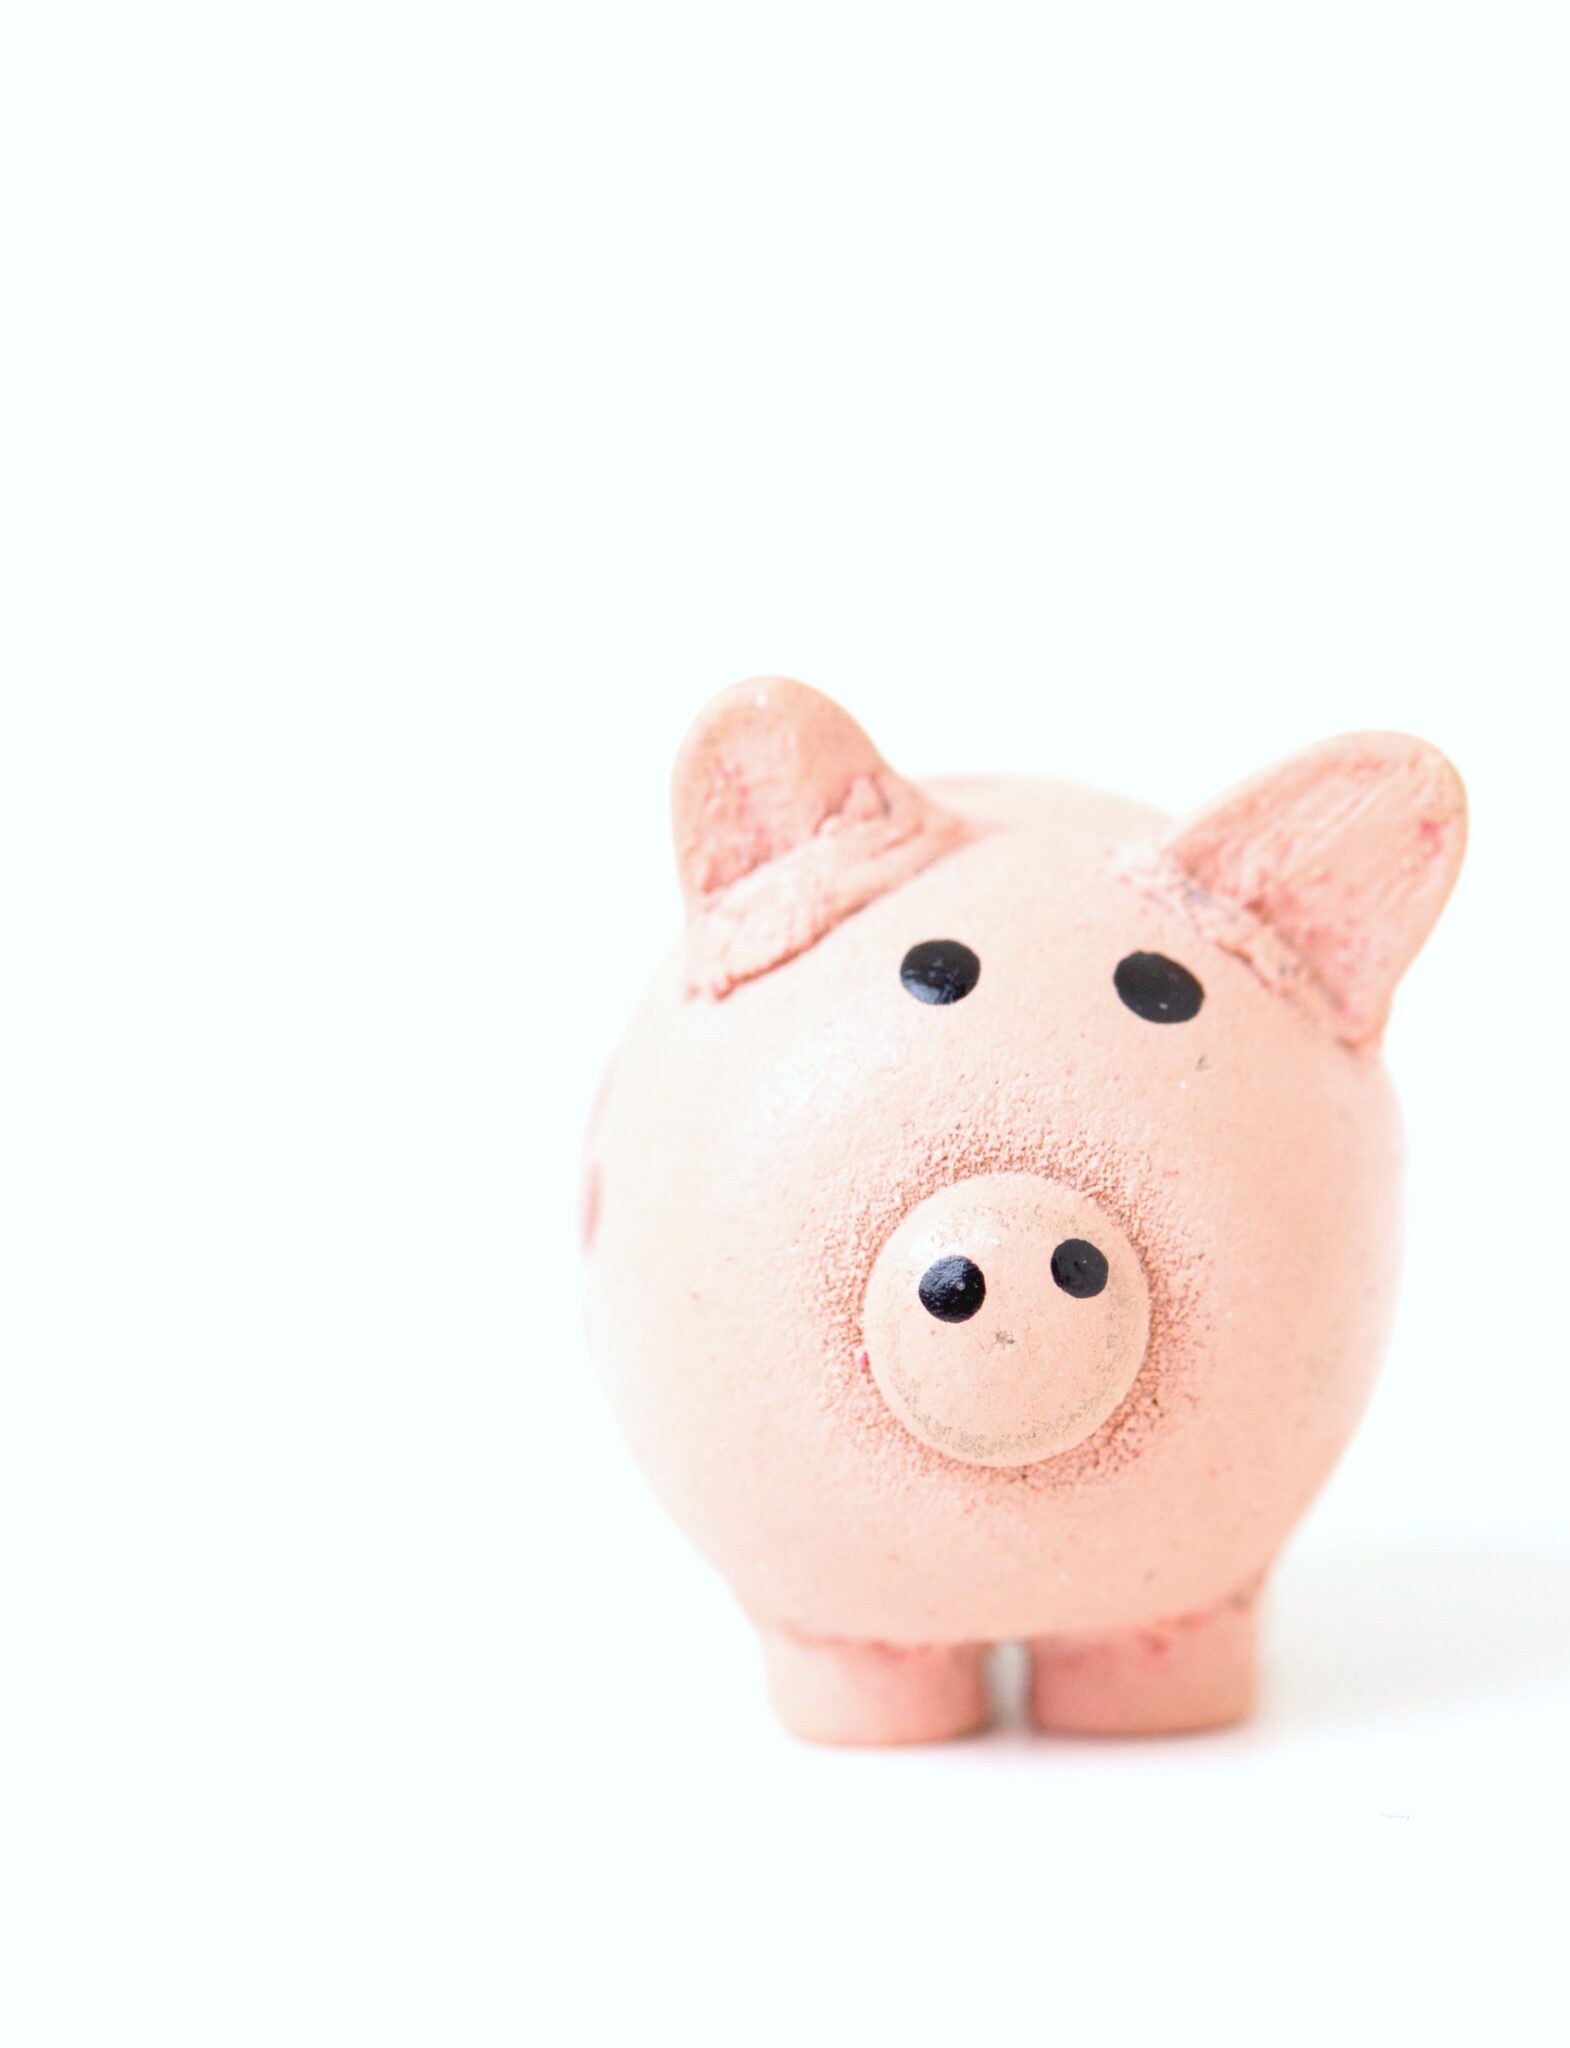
[(787, 819)]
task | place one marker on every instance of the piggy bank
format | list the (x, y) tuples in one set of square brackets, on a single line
[(991, 1212)]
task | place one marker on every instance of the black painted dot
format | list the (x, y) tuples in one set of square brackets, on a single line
[(940, 971), (1078, 1268), (1157, 989), (952, 1289)]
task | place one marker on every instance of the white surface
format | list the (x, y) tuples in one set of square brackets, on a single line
[(411, 416)]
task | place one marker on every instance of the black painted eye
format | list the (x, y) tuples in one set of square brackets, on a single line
[(1078, 1268), (1157, 989), (952, 1289), (940, 971)]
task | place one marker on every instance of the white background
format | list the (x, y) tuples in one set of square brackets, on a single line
[(411, 415)]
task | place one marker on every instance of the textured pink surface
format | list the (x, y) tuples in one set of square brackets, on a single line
[(1193, 1672), (786, 820), (1347, 853), (875, 1692), (773, 1163), (969, 1390)]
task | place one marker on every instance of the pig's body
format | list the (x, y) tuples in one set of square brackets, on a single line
[(1106, 1473)]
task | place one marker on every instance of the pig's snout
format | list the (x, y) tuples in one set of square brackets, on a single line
[(1005, 1319)]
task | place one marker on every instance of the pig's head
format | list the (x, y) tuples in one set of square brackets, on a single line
[(987, 1135)]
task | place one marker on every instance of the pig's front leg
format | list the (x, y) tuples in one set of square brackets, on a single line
[(874, 1692), (1193, 1672)]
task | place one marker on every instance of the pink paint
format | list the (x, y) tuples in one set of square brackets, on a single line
[(787, 819), (589, 1207), (836, 1299)]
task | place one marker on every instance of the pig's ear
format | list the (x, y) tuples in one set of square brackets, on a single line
[(786, 820), (1347, 852)]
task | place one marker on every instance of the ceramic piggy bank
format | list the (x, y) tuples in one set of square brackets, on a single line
[(991, 1212)]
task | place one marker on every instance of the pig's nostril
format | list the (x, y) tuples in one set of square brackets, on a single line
[(1078, 1268), (952, 1289)]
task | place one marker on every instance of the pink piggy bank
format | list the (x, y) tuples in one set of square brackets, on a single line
[(991, 1212)]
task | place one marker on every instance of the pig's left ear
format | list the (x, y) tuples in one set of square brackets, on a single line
[(1347, 852), (787, 819)]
